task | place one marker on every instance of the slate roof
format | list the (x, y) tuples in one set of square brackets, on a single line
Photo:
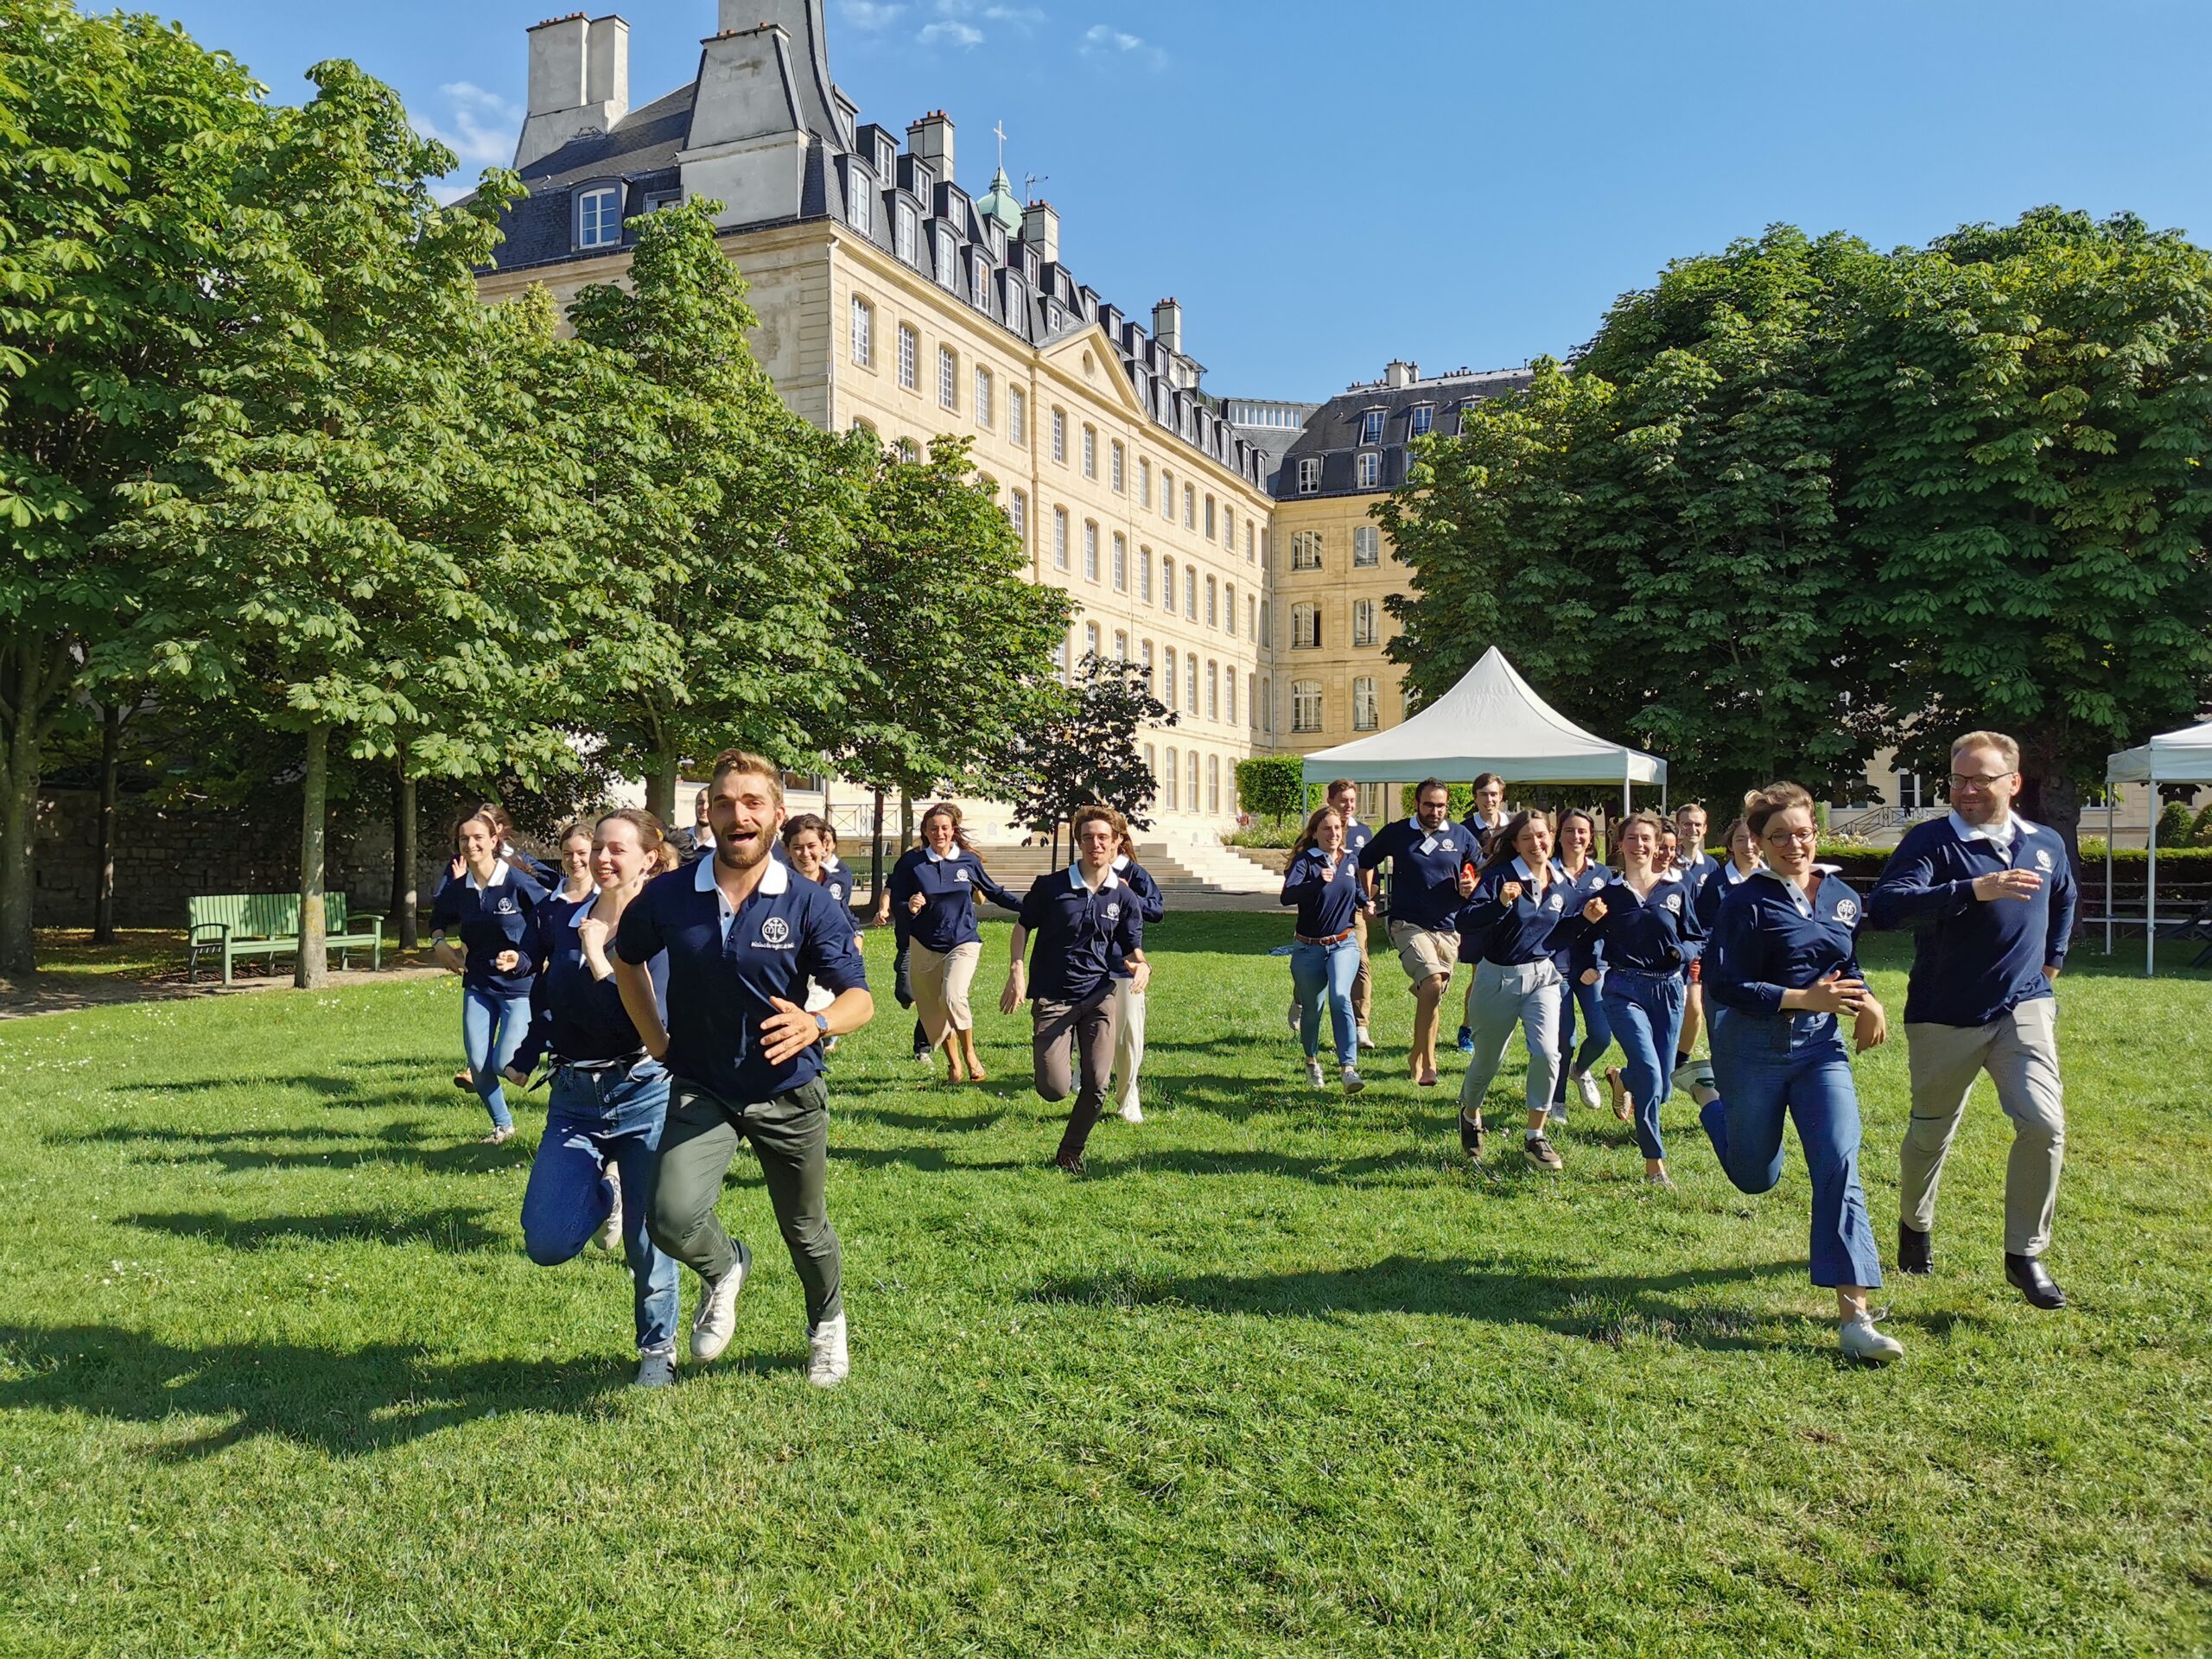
[(1333, 433)]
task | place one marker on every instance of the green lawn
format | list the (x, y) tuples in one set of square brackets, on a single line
[(1281, 1376)]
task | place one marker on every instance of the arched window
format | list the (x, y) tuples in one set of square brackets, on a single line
[(1168, 779)]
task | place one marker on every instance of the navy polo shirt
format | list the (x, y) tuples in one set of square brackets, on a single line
[(1573, 957), (1079, 937), (1767, 939), (948, 886), (1152, 903), (1530, 929), (838, 881), (500, 915), (1424, 870), (1696, 870), (1654, 934), (581, 1018), (1326, 899), (1477, 826), (723, 970), (1725, 879), (1973, 962)]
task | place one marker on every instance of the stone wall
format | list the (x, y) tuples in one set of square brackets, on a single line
[(164, 856)]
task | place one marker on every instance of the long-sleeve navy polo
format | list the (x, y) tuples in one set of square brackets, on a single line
[(1655, 933), (492, 916), (1079, 937), (1533, 926), (1424, 870), (947, 886), (1768, 938), (1327, 895)]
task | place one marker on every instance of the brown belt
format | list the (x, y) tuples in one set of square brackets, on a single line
[(1333, 939)]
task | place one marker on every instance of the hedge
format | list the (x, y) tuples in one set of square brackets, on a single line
[(1272, 785)]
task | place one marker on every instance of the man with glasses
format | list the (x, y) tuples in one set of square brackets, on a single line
[(1991, 897)]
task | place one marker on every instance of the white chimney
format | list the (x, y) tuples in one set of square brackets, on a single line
[(1040, 229), (579, 82), (1401, 373), (1167, 324), (930, 139)]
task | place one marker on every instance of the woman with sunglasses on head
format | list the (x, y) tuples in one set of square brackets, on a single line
[(1645, 931), (1577, 861), (1515, 922), (1782, 966)]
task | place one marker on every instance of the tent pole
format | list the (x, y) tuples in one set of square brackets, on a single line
[(2151, 890), (2109, 798)]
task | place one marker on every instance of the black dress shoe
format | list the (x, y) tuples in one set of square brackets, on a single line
[(1471, 1136), (2026, 1274), (1913, 1254), (1069, 1161)]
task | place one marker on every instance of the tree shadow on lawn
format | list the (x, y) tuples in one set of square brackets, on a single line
[(1608, 1308), (353, 1087), (451, 1231), (347, 1401), (243, 1149)]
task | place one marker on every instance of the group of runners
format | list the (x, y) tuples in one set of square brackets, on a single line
[(682, 992)]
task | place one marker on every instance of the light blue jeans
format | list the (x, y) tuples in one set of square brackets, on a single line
[(1598, 1031), (1321, 977), (492, 1029), (1645, 1012), (595, 1120)]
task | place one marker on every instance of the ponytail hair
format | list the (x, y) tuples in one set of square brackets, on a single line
[(652, 840), (1500, 846), (1311, 836)]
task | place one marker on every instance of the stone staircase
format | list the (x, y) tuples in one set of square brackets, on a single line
[(1179, 867)]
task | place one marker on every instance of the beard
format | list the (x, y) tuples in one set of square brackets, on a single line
[(733, 854)]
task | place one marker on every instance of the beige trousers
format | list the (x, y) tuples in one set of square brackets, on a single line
[(1128, 1043), (940, 983), (2019, 1049)]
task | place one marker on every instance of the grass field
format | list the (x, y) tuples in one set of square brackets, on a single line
[(1282, 1376)]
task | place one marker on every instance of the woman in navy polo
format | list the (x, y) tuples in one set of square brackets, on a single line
[(1730, 873), (1323, 881), (1578, 862), (493, 907), (1782, 965), (1130, 1002), (609, 1098), (1645, 932), (935, 886), (811, 847)]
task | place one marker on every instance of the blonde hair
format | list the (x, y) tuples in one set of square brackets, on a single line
[(746, 764), (1763, 806), (2006, 747)]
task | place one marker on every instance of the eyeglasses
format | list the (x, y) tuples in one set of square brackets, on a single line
[(1811, 835), (1960, 780)]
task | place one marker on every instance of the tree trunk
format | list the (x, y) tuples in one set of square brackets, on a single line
[(877, 899), (406, 900), (313, 967), (111, 765), (18, 828), (905, 822), (660, 788)]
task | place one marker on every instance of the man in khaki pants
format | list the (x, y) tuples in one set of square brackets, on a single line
[(1991, 899)]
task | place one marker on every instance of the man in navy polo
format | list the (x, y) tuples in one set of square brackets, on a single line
[(1991, 897), (743, 936), (1432, 872)]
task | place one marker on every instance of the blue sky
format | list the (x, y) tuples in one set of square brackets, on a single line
[(1326, 186)]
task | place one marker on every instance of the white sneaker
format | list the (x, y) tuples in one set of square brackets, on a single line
[(609, 1236), (827, 1363), (1859, 1340), (1683, 1075), (1131, 1112), (1555, 1113), (655, 1371), (1365, 1040), (1352, 1081), (1297, 1027), (1585, 1087), (1314, 1071), (717, 1317)]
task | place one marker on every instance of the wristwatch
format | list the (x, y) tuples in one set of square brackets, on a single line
[(822, 1024)]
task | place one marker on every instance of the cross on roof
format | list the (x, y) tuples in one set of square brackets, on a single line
[(1000, 130)]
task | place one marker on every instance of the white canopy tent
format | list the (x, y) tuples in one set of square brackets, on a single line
[(1490, 722), (2183, 757)]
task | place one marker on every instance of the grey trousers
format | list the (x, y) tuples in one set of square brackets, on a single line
[(2019, 1049), (1082, 1032), (1526, 994)]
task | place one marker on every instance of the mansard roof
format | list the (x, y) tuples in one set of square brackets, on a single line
[(1333, 433)]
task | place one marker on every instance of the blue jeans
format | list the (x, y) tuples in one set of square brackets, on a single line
[(492, 1029), (1646, 1010), (1766, 1064), (1321, 977), (593, 1120), (1597, 1032)]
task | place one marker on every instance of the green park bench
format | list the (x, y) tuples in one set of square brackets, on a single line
[(234, 925)]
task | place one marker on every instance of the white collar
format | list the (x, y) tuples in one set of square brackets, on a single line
[(1076, 881), (1420, 829), (1798, 896), (1121, 861), (936, 857), (776, 879), (830, 861), (2004, 836), (499, 876), (1521, 868), (1735, 877)]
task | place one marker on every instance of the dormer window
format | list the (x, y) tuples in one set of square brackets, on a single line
[(948, 270), (906, 235), (1422, 419), (598, 216), (1369, 470), (1370, 427), (661, 200), (1309, 477), (859, 206)]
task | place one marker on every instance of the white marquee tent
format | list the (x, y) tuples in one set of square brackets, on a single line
[(1490, 722), (2183, 757)]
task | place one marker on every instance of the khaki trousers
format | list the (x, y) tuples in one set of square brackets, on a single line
[(2019, 1049), (1071, 1051), (941, 983), (1128, 1043), (1362, 985)]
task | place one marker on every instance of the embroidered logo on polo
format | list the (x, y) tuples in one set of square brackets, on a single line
[(1113, 910), (2043, 860), (1674, 902), (775, 930), (504, 907), (1846, 910), (961, 875), (1554, 901)]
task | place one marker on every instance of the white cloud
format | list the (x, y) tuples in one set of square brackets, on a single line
[(948, 33), (1023, 17), (1103, 41), (868, 14), (480, 127)]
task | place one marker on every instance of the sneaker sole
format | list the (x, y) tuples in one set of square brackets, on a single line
[(744, 1271)]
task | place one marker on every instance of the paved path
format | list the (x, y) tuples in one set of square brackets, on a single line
[(36, 994)]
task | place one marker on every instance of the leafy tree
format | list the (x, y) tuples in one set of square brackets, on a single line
[(1273, 784), (945, 644), (724, 517), (1087, 751), (120, 141)]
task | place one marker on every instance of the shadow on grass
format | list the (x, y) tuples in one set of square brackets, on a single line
[(365, 1083), (1611, 1308), (453, 1231), (348, 1401), (243, 1149)]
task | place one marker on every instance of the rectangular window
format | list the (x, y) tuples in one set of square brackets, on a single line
[(983, 410), (1228, 684), (947, 268), (1167, 584), (863, 333), (1152, 762), (1363, 621), (1189, 508), (1228, 607), (1306, 705), (1248, 554), (1144, 483), (1252, 618), (1121, 562), (1017, 416), (1370, 427), (1191, 592), (910, 358), (1213, 691), (1213, 610), (1120, 646), (862, 209), (1090, 452), (599, 218), (1144, 576), (1309, 477), (1174, 690), (1168, 779), (1090, 638), (1060, 538), (1117, 462), (948, 378), (1192, 795), (904, 235), (1366, 546), (1305, 551), (1305, 627), (1060, 658), (1366, 707), (1144, 656), (1166, 494), (1213, 785), (1061, 436), (1017, 514), (1210, 518), (1090, 551), (1252, 698), (1191, 688), (1424, 417), (1267, 625), (1369, 475)]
